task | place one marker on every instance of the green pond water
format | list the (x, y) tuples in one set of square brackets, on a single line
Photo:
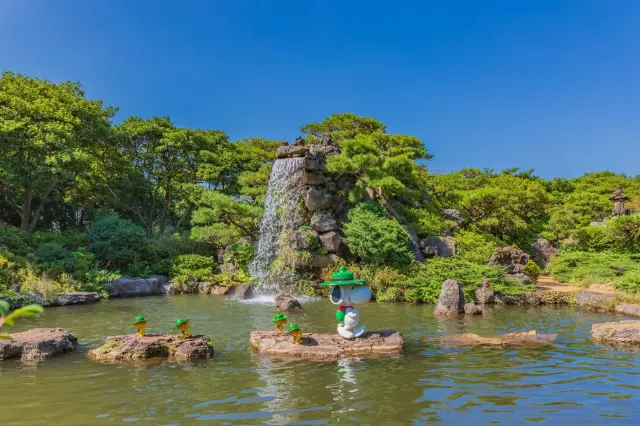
[(572, 382)]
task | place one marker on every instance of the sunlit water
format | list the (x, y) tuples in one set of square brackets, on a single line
[(572, 382)]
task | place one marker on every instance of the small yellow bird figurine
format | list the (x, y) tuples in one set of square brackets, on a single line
[(279, 320), (296, 333), (183, 325), (140, 323)]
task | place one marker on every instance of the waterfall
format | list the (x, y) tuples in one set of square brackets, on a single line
[(280, 212)]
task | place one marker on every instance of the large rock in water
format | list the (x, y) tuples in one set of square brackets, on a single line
[(594, 301), (625, 332), (243, 292), (133, 347), (326, 346), (133, 287), (287, 303), (511, 257), (511, 339), (484, 294), (544, 252), (38, 344), (75, 298), (630, 309), (451, 301)]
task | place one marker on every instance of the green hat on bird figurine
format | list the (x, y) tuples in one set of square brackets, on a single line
[(279, 317), (181, 321), (342, 277), (139, 319), (293, 327)]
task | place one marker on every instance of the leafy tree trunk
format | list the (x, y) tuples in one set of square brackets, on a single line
[(25, 214), (163, 214), (376, 194)]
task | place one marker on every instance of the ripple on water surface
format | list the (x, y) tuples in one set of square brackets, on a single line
[(573, 381)]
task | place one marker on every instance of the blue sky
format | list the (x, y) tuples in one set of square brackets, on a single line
[(549, 85)]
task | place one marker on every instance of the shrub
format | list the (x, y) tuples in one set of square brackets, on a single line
[(375, 238), (475, 247), (623, 233), (589, 238), (116, 241), (16, 241), (200, 267), (532, 270), (242, 254)]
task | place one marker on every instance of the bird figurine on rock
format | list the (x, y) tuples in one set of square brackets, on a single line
[(279, 320), (346, 293), (140, 323), (296, 333), (183, 325)]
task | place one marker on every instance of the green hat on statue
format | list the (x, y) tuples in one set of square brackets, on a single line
[(342, 277), (279, 317), (181, 321), (293, 327), (139, 319)]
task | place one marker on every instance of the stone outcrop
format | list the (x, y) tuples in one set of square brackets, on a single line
[(451, 301), (75, 298), (521, 277), (242, 292), (544, 252), (287, 303), (511, 257), (38, 344), (133, 347), (438, 246), (330, 241), (453, 215), (511, 339), (595, 301), (321, 221), (484, 294), (472, 309), (630, 309), (326, 346), (315, 199), (625, 332), (135, 287)]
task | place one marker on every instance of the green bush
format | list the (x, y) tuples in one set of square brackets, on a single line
[(195, 265), (376, 238), (589, 238), (532, 270), (242, 254), (475, 247), (585, 268), (16, 241), (116, 242), (623, 233), (54, 258)]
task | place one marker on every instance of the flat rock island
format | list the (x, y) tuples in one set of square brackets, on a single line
[(38, 344), (132, 347), (320, 346)]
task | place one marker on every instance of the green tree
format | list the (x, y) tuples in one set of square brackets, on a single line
[(48, 134)]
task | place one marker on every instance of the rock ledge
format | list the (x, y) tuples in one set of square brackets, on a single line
[(626, 332), (131, 347), (327, 346), (38, 344), (510, 339)]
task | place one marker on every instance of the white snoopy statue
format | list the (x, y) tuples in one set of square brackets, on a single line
[(346, 293)]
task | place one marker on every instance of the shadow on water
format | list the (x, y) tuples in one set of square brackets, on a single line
[(571, 381)]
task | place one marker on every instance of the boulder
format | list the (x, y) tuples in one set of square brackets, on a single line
[(219, 290), (286, 151), (511, 257), (326, 346), (287, 303), (617, 332), (330, 241), (133, 287), (133, 347), (629, 309), (315, 199), (167, 289), (595, 301), (320, 261), (544, 252), (75, 298), (453, 215), (451, 301), (312, 164), (160, 279), (38, 344), (313, 178), (438, 246), (204, 287), (321, 221), (520, 277), (484, 294), (511, 339), (243, 292), (472, 309)]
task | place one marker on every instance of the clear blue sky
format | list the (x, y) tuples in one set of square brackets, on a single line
[(552, 85)]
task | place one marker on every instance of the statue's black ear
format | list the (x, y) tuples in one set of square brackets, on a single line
[(336, 294)]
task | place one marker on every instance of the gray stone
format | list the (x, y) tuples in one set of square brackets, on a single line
[(451, 301), (312, 164), (594, 301), (243, 292), (285, 151), (320, 261), (521, 277), (544, 252), (472, 309), (438, 246), (38, 344), (630, 309), (484, 294), (453, 215), (161, 279), (167, 289), (287, 303), (624, 332), (302, 239), (75, 298), (321, 221), (133, 287), (330, 241), (315, 199), (511, 257), (313, 178), (204, 287)]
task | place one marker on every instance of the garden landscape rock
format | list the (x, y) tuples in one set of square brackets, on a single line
[(438, 246), (451, 301), (243, 292), (136, 287), (594, 301), (38, 344), (132, 347), (287, 303), (544, 252), (472, 309), (326, 346), (628, 309), (511, 339), (511, 257), (75, 298), (624, 332), (484, 294)]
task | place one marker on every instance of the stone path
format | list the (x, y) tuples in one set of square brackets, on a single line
[(546, 283)]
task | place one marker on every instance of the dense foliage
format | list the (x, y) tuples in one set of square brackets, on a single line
[(83, 200)]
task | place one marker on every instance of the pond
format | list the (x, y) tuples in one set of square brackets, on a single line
[(571, 382)]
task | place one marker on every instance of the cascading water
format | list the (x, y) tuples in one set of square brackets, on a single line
[(285, 186)]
